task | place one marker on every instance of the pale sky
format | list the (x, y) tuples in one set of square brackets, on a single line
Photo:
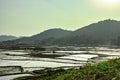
[(29, 17)]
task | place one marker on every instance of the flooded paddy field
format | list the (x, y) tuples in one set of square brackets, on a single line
[(61, 59), (10, 77)]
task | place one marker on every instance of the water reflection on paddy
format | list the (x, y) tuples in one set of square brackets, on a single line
[(68, 58)]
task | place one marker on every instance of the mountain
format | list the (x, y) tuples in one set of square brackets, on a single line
[(6, 38), (39, 38), (101, 33), (51, 33), (106, 30)]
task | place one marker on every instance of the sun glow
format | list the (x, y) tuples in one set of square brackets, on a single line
[(110, 2), (107, 3)]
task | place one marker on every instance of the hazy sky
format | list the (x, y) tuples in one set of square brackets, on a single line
[(28, 17)]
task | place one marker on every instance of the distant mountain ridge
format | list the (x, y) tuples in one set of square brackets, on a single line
[(38, 38), (55, 33), (6, 38), (106, 29), (101, 33)]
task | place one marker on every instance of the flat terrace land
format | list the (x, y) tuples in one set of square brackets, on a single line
[(39, 63), (107, 70)]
